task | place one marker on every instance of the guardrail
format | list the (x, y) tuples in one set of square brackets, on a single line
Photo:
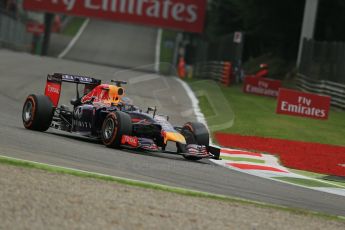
[(335, 90), (215, 70), (13, 33), (323, 60)]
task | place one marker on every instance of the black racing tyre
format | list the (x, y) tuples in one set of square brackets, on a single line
[(38, 112), (114, 126), (194, 133)]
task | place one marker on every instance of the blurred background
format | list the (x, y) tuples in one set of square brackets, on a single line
[(292, 37)]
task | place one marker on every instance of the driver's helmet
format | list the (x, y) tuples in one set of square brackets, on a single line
[(114, 94)]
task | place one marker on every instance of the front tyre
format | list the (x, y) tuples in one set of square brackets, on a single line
[(194, 133), (115, 125), (37, 113)]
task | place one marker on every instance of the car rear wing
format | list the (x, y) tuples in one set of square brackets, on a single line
[(59, 77), (54, 81)]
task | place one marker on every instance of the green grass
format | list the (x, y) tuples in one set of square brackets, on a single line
[(213, 103), (147, 185), (208, 111), (73, 26), (307, 182), (333, 180), (243, 159), (255, 116)]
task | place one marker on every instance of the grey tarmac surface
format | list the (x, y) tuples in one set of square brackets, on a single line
[(58, 42), (22, 74), (116, 44)]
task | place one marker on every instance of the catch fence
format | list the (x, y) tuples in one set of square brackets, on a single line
[(323, 61), (335, 90), (13, 33)]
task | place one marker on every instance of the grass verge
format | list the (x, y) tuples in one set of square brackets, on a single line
[(147, 185), (307, 182), (334, 180), (73, 27), (243, 159), (255, 116)]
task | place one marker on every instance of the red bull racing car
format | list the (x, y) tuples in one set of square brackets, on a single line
[(105, 113)]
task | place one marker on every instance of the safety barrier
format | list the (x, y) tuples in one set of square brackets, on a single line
[(215, 70), (335, 90), (324, 60), (13, 33)]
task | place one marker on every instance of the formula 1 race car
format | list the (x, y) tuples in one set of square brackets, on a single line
[(105, 113)]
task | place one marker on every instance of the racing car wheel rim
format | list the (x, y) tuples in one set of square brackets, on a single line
[(27, 111), (109, 129)]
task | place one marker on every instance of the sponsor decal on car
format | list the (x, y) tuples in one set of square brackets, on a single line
[(129, 140), (82, 124), (53, 90), (72, 78)]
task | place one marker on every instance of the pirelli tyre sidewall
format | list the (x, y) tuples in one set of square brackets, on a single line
[(194, 133), (115, 125), (37, 113)]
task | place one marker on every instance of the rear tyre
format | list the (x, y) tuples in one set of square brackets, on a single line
[(115, 125), (37, 113), (194, 133)]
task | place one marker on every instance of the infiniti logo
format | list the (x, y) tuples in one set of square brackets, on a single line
[(52, 89)]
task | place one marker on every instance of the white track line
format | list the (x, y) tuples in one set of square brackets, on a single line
[(158, 50), (74, 40), (195, 102)]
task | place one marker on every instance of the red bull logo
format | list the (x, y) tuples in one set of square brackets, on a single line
[(107, 94)]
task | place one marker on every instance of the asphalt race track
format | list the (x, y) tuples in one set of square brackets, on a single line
[(110, 43), (22, 74)]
